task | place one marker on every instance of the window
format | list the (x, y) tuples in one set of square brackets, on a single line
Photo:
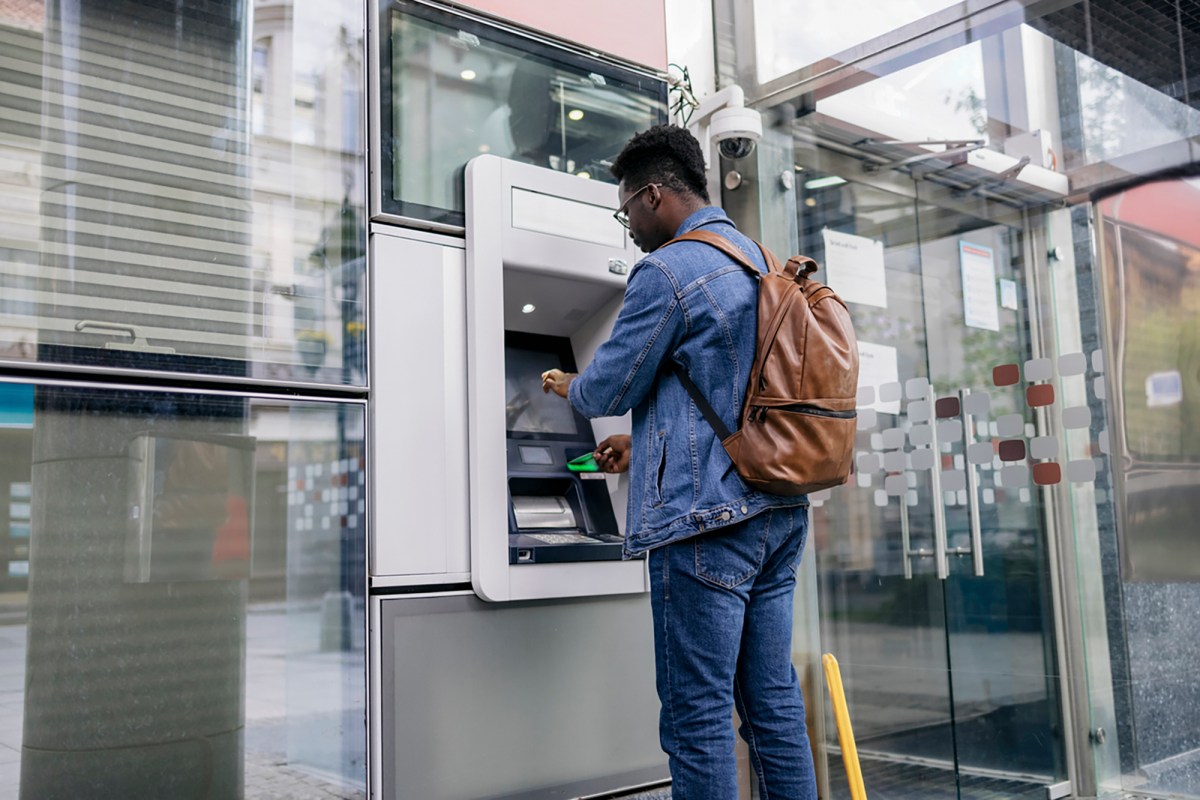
[(454, 88)]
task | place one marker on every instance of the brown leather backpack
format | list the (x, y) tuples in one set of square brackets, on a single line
[(798, 419)]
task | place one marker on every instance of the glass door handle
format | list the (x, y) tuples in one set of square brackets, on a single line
[(976, 549), (905, 545), (941, 558)]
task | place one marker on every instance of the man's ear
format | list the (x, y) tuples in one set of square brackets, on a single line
[(654, 195)]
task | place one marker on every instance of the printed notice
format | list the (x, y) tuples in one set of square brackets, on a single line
[(980, 309), (1008, 293), (878, 365), (854, 268)]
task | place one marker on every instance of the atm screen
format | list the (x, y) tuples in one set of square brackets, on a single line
[(527, 408)]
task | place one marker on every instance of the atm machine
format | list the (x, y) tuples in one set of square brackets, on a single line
[(546, 271), (505, 620)]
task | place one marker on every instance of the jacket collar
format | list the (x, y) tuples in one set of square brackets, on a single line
[(702, 217)]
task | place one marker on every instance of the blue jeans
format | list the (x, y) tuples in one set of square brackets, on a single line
[(722, 604)]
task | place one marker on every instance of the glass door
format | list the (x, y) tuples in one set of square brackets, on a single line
[(932, 564)]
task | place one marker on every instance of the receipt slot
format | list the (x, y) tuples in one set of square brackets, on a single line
[(546, 271)]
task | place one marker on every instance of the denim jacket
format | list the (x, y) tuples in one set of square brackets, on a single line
[(690, 303)]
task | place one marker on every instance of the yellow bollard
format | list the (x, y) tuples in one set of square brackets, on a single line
[(841, 715)]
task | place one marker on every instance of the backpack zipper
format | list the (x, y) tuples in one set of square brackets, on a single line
[(759, 413)]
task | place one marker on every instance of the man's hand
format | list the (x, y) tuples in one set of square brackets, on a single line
[(557, 381), (612, 455)]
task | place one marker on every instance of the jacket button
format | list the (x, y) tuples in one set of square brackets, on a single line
[(726, 516), (744, 509)]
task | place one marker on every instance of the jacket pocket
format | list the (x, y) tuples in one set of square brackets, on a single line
[(660, 471)]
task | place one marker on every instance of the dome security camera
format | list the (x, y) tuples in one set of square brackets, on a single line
[(735, 130)]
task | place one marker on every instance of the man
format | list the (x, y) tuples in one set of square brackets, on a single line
[(722, 558)]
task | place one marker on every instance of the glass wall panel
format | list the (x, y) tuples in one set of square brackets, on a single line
[(183, 186), (454, 87), (182, 595), (1074, 328), (790, 34)]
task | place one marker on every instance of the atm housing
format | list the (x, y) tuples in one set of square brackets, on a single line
[(546, 269)]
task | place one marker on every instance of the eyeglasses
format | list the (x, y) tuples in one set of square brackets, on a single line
[(620, 214)]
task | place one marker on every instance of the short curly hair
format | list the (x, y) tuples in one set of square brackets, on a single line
[(665, 154)]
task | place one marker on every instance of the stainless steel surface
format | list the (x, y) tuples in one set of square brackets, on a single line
[(976, 549), (543, 512), (904, 543), (939, 502)]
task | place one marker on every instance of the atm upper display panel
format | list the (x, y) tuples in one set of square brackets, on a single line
[(527, 408), (455, 86)]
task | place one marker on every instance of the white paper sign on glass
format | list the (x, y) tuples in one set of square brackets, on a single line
[(978, 264), (878, 365), (1008, 293), (854, 268)]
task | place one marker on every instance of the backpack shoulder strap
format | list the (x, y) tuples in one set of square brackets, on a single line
[(702, 404), (725, 246)]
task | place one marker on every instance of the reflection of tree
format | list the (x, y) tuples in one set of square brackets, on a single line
[(976, 108), (1111, 101)]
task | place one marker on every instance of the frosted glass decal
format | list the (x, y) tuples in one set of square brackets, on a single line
[(1040, 395), (893, 439), (864, 480), (978, 267), (895, 461), (1038, 369), (876, 441), (1010, 425), (922, 459), (918, 410), (1044, 447), (917, 388), (866, 395), (1011, 450), (977, 403), (979, 453), (881, 498), (1014, 476), (947, 407), (1097, 361), (1081, 471), (954, 480), (1102, 441), (895, 485), (1047, 474), (889, 392), (920, 435), (867, 419), (989, 497), (1006, 375), (869, 462), (1098, 388), (1077, 417), (949, 431), (1072, 364)]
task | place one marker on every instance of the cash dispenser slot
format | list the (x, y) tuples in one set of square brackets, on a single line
[(534, 513)]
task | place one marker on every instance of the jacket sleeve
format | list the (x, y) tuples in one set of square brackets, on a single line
[(648, 329)]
